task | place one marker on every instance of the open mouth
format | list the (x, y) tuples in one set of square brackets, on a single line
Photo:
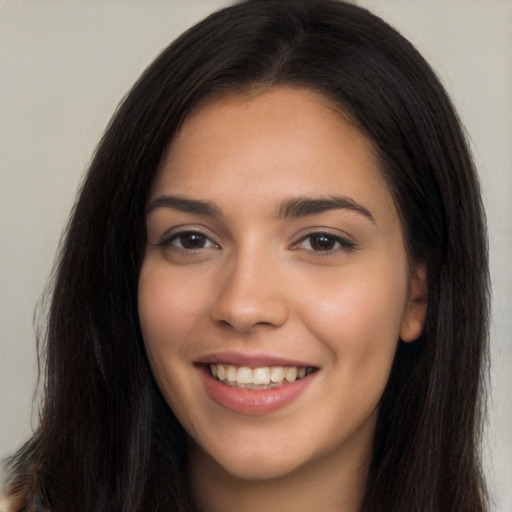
[(263, 377), (256, 387)]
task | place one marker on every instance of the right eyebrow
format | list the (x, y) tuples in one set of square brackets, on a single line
[(185, 204)]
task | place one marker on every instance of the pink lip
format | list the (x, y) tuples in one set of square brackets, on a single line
[(253, 402)]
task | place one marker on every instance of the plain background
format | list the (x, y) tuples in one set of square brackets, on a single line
[(66, 64)]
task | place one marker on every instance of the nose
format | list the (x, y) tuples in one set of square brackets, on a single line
[(251, 294)]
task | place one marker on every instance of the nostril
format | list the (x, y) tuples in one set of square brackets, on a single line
[(243, 325)]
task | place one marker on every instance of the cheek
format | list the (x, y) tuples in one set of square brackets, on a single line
[(168, 308), (359, 324), (168, 304), (165, 319), (359, 321), (362, 307)]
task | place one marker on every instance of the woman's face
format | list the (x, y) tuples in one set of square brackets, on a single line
[(275, 284)]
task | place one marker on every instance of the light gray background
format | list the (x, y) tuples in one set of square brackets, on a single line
[(66, 64)]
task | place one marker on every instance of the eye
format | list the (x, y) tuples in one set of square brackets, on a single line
[(324, 243), (188, 241)]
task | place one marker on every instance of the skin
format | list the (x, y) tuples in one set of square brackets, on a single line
[(259, 283)]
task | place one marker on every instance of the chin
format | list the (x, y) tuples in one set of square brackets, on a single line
[(254, 460), (259, 467)]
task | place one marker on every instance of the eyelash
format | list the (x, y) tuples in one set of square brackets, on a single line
[(340, 243), (344, 244), (168, 239)]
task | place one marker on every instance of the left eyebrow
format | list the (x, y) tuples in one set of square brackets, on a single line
[(304, 206)]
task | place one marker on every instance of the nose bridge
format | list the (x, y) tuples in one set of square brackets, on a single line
[(250, 292)]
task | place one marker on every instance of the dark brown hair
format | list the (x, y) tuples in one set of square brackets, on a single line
[(103, 441)]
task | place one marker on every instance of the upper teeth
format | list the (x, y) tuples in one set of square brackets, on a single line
[(244, 376)]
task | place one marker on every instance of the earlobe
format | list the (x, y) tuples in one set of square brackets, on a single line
[(415, 311)]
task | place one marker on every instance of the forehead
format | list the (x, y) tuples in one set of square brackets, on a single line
[(270, 143)]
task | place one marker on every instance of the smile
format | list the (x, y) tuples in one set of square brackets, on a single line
[(264, 377), (255, 390)]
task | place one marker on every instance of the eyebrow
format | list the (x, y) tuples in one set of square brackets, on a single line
[(304, 206), (290, 208), (185, 204)]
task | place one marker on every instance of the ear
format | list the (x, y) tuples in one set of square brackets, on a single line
[(415, 310)]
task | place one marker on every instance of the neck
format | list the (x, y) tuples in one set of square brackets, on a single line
[(330, 484)]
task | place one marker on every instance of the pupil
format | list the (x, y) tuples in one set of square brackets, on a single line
[(193, 241), (322, 243)]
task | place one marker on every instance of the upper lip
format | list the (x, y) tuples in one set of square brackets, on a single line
[(250, 359)]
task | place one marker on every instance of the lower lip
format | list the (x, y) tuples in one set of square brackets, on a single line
[(253, 401)]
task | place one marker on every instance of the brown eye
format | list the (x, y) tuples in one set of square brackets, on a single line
[(322, 242), (325, 243), (189, 241), (192, 241)]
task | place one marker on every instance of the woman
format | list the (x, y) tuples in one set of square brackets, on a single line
[(274, 285)]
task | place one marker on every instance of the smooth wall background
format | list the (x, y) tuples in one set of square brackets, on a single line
[(65, 64)]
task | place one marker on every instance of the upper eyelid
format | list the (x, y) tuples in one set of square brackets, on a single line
[(346, 243), (175, 232), (186, 228), (324, 231), (301, 236)]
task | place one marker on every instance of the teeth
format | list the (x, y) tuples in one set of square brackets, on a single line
[(277, 374), (231, 373), (260, 377), (244, 375), (290, 374)]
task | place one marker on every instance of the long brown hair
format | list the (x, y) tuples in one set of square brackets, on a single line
[(104, 440)]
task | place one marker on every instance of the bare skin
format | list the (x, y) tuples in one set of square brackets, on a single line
[(274, 241)]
